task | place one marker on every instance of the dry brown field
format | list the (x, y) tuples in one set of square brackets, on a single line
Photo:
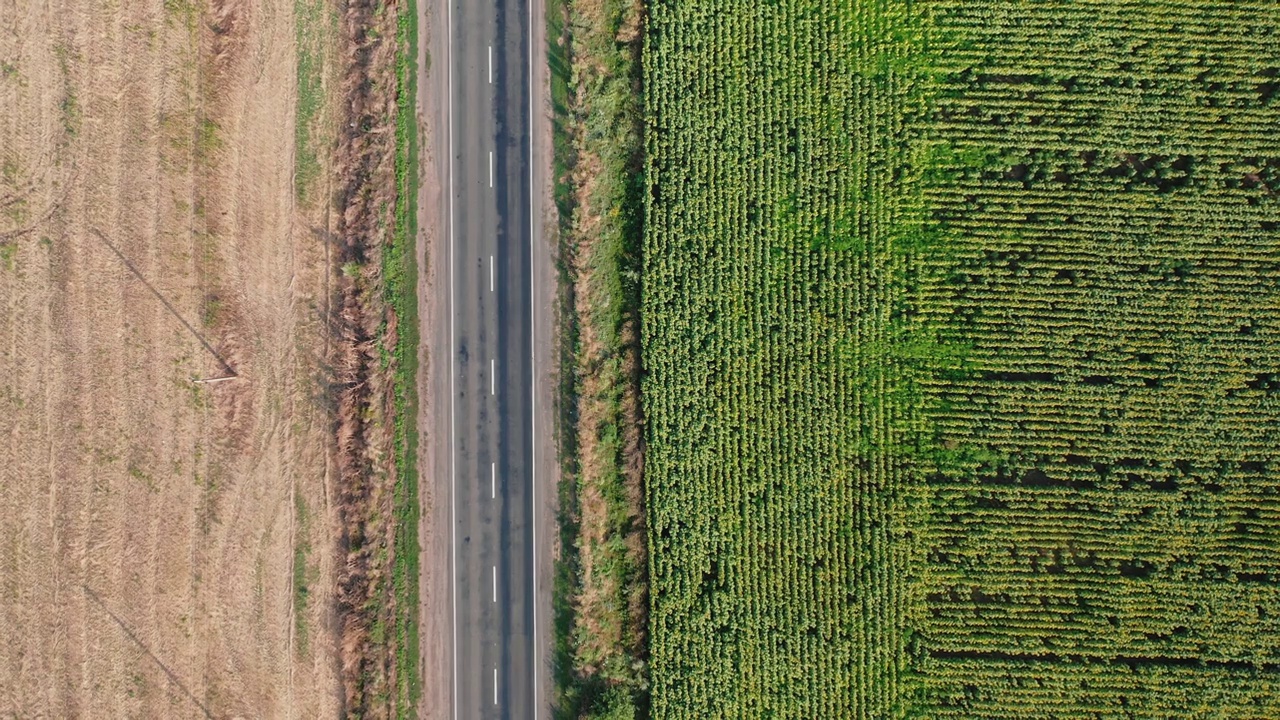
[(166, 544)]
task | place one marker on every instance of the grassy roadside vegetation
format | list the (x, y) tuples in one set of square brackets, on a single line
[(400, 271), (601, 589), (376, 324), (314, 27)]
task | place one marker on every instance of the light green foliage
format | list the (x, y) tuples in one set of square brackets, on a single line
[(207, 140), (303, 576), (778, 416), (601, 584), (313, 26)]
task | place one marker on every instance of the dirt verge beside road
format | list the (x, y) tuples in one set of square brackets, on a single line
[(435, 619)]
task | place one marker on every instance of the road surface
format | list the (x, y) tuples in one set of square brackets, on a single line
[(494, 300)]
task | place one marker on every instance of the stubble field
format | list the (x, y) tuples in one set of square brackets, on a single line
[(162, 540)]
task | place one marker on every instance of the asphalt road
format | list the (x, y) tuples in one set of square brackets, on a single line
[(491, 365)]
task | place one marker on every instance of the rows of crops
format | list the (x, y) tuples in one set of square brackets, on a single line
[(962, 332), (773, 137), (1106, 181)]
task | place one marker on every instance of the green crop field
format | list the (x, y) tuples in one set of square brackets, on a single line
[(961, 329), (771, 295)]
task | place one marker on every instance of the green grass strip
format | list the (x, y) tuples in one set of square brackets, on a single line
[(401, 273)]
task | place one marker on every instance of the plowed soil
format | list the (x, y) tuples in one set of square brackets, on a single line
[(166, 544)]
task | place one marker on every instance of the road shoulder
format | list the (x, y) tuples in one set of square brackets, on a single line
[(433, 461), (546, 296)]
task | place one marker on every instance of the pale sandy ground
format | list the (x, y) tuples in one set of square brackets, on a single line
[(148, 524)]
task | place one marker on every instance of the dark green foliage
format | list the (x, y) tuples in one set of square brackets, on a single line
[(1105, 179), (962, 331)]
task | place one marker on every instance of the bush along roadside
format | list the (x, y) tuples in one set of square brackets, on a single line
[(374, 364), (601, 590)]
